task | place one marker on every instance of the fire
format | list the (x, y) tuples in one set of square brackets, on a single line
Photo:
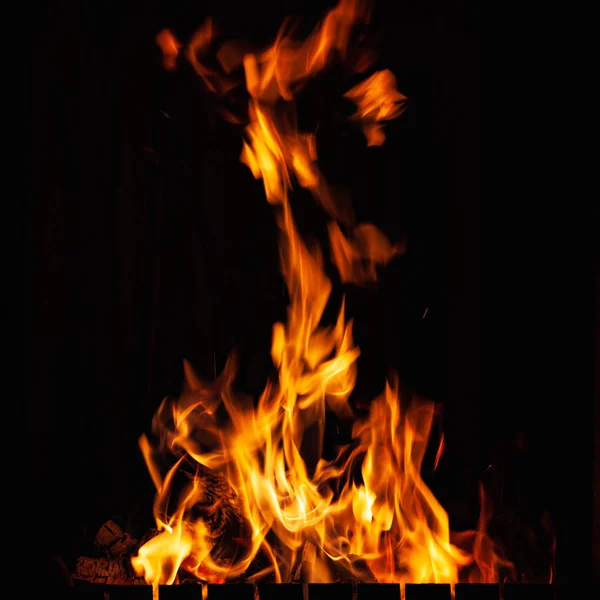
[(367, 512), (356, 259), (377, 100), (170, 47)]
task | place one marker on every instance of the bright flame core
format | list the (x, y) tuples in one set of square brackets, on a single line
[(367, 511)]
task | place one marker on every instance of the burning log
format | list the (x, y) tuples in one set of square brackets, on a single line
[(219, 509), (112, 571), (113, 541), (219, 506), (305, 564), (114, 566)]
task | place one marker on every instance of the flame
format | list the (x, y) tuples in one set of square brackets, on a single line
[(440, 452), (367, 511), (356, 258), (377, 99), (170, 47)]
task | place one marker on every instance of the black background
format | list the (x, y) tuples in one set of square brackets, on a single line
[(147, 242)]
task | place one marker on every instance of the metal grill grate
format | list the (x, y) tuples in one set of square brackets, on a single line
[(365, 591)]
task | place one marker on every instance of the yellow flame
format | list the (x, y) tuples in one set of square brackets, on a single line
[(368, 510)]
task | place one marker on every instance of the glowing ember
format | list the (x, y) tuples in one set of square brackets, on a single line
[(368, 511)]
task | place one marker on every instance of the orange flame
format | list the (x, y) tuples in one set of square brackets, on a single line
[(170, 48), (197, 48), (377, 100), (367, 511), (356, 259), (440, 452)]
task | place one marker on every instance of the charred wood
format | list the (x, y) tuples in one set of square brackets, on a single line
[(114, 542), (220, 509), (112, 571)]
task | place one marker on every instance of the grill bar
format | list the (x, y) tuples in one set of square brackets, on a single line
[(342, 591), (528, 592), (476, 591), (322, 591), (230, 591), (427, 591)]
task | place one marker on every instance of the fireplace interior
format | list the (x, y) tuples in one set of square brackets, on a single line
[(149, 242)]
